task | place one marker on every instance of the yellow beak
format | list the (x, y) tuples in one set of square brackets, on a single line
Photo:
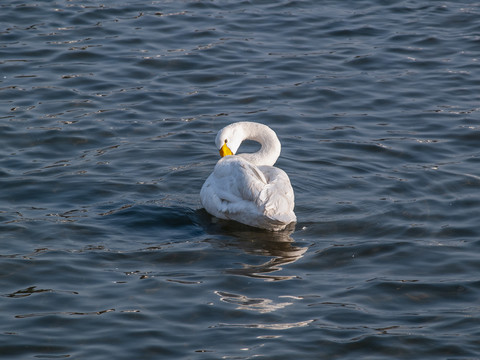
[(224, 151)]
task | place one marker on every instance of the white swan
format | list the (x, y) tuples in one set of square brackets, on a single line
[(247, 187)]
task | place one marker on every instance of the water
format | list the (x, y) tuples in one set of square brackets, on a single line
[(109, 112)]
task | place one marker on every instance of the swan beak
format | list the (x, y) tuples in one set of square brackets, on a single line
[(224, 151)]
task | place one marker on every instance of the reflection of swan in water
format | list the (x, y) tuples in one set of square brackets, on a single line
[(278, 246), (260, 305), (281, 253)]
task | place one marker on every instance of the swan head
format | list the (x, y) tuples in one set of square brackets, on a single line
[(229, 139)]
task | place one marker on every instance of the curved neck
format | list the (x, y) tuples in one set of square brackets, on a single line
[(270, 150)]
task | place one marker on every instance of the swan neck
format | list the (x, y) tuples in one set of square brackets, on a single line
[(270, 145)]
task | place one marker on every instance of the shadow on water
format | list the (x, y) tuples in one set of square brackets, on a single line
[(183, 226)]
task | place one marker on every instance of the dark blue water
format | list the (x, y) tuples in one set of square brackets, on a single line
[(108, 114)]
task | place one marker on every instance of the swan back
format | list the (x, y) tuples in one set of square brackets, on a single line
[(234, 134)]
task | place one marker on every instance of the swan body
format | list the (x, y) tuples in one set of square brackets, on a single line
[(247, 187)]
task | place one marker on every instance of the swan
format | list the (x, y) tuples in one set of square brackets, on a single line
[(247, 187)]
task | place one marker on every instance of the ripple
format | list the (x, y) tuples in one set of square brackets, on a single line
[(109, 112)]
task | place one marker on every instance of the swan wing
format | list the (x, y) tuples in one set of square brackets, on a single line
[(277, 196), (258, 196), (233, 183)]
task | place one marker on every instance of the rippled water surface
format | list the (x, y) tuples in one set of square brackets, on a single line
[(108, 114)]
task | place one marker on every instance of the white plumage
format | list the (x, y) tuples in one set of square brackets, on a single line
[(247, 187)]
